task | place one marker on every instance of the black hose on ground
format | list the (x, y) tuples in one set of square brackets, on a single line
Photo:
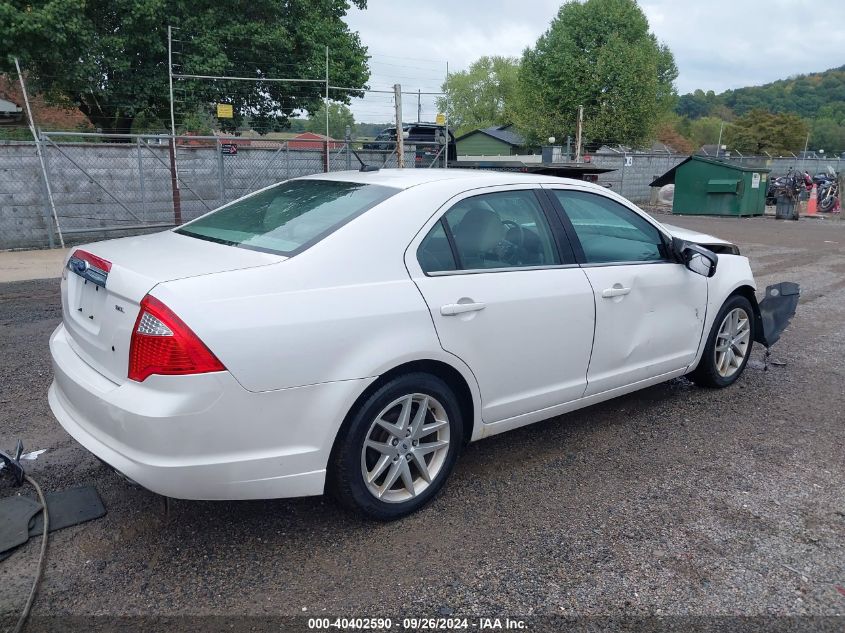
[(41, 557)]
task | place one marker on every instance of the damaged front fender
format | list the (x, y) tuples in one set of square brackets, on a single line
[(775, 312)]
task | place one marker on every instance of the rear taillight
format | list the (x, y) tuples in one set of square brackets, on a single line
[(163, 344)]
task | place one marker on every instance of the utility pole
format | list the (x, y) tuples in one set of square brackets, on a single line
[(419, 104), (174, 171), (400, 139), (804, 155), (446, 116), (38, 151), (578, 134), (328, 155), (719, 143)]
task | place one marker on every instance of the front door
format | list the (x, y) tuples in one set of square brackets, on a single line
[(649, 309), (507, 297)]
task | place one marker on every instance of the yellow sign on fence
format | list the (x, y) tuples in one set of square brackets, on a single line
[(441, 119), (224, 111)]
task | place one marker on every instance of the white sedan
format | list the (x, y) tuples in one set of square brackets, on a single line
[(351, 332)]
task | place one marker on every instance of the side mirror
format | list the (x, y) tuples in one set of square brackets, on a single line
[(696, 258)]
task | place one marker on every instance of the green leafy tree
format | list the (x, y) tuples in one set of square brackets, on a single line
[(829, 135), (108, 58), (760, 131), (806, 95), (705, 131), (599, 54), (483, 95), (370, 130), (340, 116)]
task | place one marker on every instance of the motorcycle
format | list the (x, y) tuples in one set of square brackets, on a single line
[(789, 186), (827, 190)]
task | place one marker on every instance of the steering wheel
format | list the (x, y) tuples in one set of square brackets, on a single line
[(510, 254), (511, 223)]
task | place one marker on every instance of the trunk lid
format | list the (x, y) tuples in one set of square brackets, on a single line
[(99, 311)]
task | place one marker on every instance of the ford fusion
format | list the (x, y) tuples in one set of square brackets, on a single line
[(351, 332)]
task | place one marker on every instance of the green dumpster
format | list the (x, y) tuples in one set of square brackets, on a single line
[(705, 186)]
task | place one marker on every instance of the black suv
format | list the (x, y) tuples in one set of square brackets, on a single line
[(428, 133)]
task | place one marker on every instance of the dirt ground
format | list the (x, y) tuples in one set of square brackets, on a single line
[(674, 500)]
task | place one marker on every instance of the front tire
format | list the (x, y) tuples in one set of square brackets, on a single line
[(397, 448), (826, 204), (728, 346)]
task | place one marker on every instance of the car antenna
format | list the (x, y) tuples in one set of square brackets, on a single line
[(364, 166)]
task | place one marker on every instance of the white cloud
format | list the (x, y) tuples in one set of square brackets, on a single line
[(718, 44)]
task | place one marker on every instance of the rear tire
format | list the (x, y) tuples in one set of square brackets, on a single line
[(397, 448), (728, 346)]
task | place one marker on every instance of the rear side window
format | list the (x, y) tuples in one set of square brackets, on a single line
[(435, 253), (290, 217), (609, 231), (506, 229)]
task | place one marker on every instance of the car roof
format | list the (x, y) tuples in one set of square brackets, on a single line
[(407, 178)]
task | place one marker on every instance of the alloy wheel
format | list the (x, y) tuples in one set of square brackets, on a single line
[(732, 342), (405, 448)]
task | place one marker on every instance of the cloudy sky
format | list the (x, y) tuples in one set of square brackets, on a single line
[(718, 44)]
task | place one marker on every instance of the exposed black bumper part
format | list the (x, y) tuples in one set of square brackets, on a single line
[(776, 310)]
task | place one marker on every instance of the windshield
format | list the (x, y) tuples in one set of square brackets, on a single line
[(289, 217)]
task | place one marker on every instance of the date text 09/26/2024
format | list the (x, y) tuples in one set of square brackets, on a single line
[(415, 624)]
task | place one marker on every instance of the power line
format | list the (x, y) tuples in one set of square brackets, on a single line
[(259, 79)]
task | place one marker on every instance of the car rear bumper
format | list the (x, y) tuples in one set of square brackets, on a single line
[(201, 436)]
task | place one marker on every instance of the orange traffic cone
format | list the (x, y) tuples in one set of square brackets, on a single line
[(812, 203)]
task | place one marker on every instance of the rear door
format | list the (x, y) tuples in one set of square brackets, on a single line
[(649, 309), (507, 297)]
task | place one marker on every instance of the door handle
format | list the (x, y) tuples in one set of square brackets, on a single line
[(452, 309), (616, 291)]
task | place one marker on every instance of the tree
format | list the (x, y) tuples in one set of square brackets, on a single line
[(108, 58), (340, 116), (760, 131), (481, 96), (828, 135), (705, 131), (670, 131), (599, 54), (693, 106)]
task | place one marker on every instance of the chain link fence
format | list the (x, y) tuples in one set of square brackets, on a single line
[(107, 186)]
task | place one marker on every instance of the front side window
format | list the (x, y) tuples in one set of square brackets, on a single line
[(289, 217), (506, 229), (609, 231)]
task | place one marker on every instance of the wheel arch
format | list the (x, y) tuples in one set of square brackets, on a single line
[(747, 291), (733, 277), (452, 376)]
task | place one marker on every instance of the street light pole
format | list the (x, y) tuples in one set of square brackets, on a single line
[(400, 137)]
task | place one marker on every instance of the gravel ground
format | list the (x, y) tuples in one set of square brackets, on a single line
[(673, 500)]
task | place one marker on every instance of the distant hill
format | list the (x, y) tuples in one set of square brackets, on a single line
[(810, 96)]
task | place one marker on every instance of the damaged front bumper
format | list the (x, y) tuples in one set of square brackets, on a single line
[(775, 312)]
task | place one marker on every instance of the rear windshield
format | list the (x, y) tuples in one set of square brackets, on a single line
[(289, 217)]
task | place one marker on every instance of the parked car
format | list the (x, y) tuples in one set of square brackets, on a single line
[(428, 135), (350, 332)]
